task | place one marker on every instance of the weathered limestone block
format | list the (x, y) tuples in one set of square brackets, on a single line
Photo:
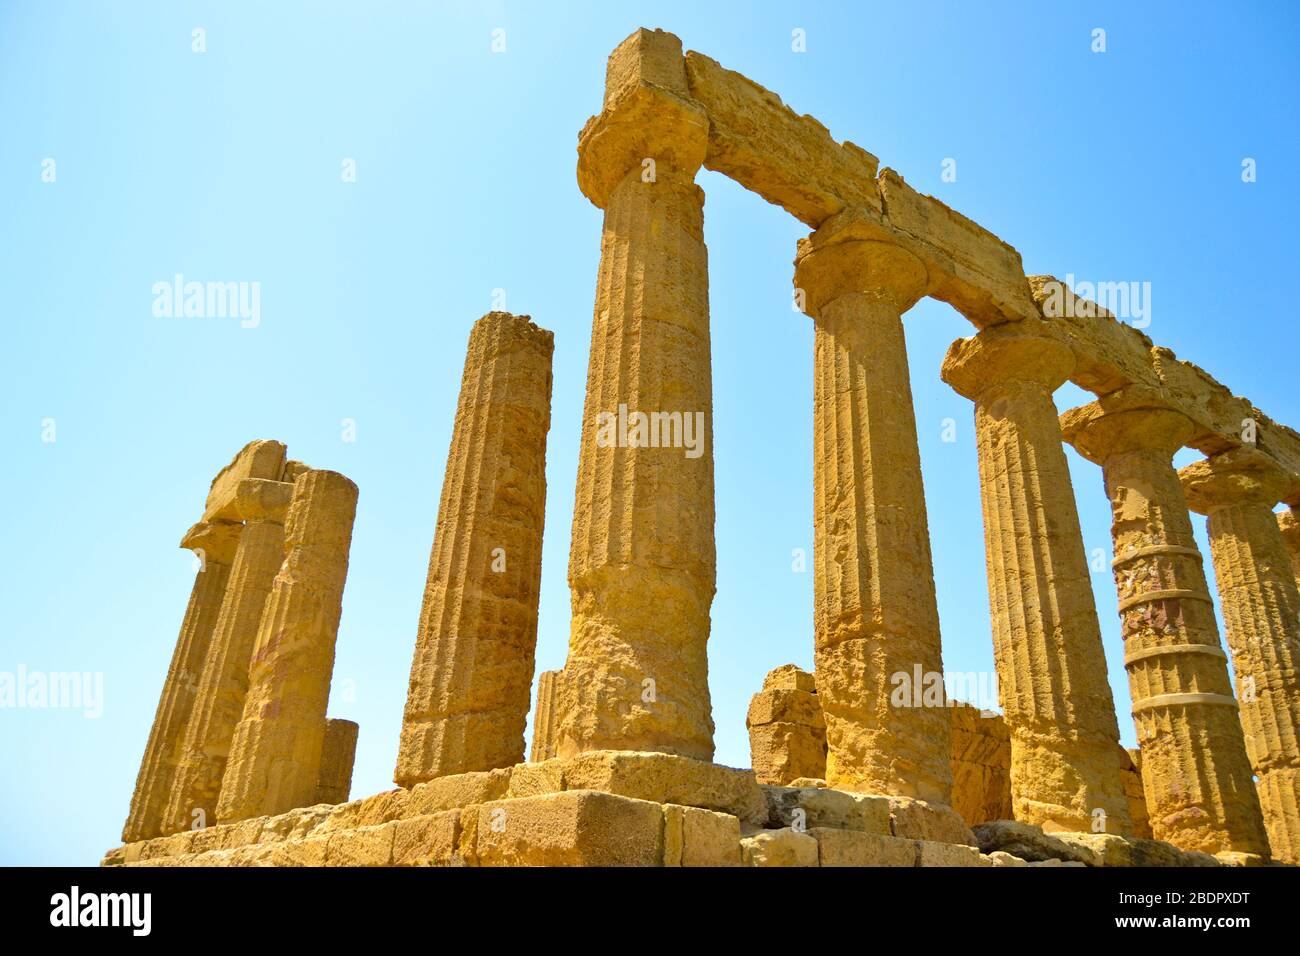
[(275, 755), (695, 837), (667, 778), (930, 853), (338, 754), (876, 620), (262, 459), (544, 716), (787, 734), (806, 807), (364, 846), (1195, 771), (1261, 612), (1055, 697), (215, 543), (642, 563), (430, 840), (574, 828), (921, 820), (262, 505), (468, 696), (460, 790), (1131, 775), (856, 848), (784, 847), (981, 765)]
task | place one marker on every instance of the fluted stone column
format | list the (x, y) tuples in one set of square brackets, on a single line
[(1195, 772), (215, 543), (1046, 639), (467, 700), (1290, 528), (338, 754), (642, 563), (223, 682), (1237, 490), (275, 755), (879, 666), (544, 716)]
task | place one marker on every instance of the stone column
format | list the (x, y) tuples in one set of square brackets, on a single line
[(1290, 527), (467, 700), (878, 663), (214, 543), (1195, 772), (223, 682), (338, 754), (1237, 490), (275, 754), (544, 716), (1046, 640), (642, 563)]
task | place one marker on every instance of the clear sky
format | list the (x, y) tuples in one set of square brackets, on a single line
[(227, 165)]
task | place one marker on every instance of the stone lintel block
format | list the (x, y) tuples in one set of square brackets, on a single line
[(790, 677), (809, 807), (923, 820), (785, 847), (363, 846), (782, 705), (855, 848), (429, 840), (459, 790), (788, 159), (257, 459), (930, 853), (255, 499), (668, 778), (695, 837), (573, 828)]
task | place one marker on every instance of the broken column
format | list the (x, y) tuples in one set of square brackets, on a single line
[(338, 754), (275, 755), (1237, 490), (467, 700), (1046, 640), (787, 733), (1195, 772), (642, 563), (223, 682), (879, 665), (214, 543)]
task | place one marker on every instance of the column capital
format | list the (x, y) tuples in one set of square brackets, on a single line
[(647, 115), (829, 266), (216, 539), (1240, 476), (1129, 419), (1015, 352)]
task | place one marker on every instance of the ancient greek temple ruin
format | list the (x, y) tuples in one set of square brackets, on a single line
[(243, 767)]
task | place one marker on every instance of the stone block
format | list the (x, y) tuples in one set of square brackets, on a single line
[(929, 853), (364, 846), (784, 847), (458, 790), (573, 828), (429, 840), (921, 820), (856, 848), (667, 778), (833, 809), (695, 837)]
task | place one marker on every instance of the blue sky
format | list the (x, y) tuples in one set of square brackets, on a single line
[(226, 166)]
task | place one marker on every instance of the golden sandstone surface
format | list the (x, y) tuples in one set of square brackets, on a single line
[(864, 763)]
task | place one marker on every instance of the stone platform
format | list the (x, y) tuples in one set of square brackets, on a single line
[(621, 808)]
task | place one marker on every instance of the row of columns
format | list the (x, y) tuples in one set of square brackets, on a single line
[(642, 561), (240, 729)]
